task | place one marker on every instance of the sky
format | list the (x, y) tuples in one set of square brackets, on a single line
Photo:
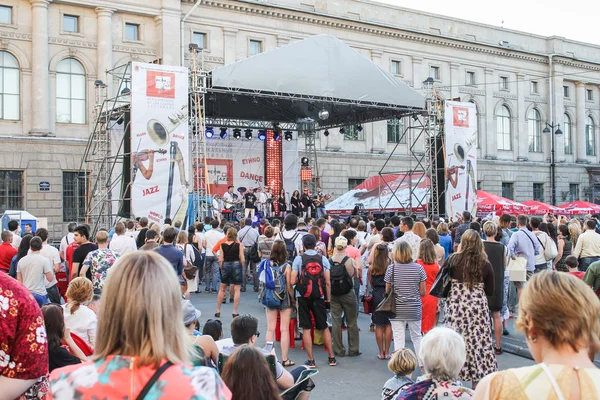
[(575, 19)]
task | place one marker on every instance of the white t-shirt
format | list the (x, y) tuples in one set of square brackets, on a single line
[(122, 244), (289, 235), (189, 252), (82, 323), (16, 241), (65, 242), (32, 268), (212, 237), (53, 256)]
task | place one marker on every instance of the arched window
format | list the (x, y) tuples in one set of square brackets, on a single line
[(70, 92), (10, 82), (590, 137), (503, 128), (534, 128), (567, 134)]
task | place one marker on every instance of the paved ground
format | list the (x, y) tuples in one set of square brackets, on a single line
[(353, 378)]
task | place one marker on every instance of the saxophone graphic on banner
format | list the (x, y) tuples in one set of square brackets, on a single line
[(159, 142)]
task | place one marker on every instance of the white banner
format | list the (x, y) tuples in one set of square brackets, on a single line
[(159, 142), (460, 129)]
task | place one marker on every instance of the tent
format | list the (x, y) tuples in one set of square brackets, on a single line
[(492, 203), (377, 194), (302, 79), (539, 208), (580, 207)]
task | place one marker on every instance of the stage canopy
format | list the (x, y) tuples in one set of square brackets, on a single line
[(388, 192), (492, 203), (580, 207), (303, 78)]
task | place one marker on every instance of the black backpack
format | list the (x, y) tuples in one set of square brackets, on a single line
[(341, 281), (290, 246), (311, 283)]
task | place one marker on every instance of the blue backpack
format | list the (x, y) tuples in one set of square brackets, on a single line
[(273, 284)]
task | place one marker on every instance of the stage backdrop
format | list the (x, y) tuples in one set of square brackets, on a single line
[(460, 128), (159, 142)]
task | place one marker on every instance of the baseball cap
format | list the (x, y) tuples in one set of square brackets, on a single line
[(341, 242), (309, 240), (190, 313)]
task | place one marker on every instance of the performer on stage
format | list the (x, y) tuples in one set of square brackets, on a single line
[(261, 200), (282, 203), (268, 203), (217, 207), (320, 203), (249, 203), (228, 201), (296, 204), (306, 203)]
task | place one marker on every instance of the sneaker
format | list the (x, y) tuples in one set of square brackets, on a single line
[(505, 332), (332, 362), (207, 290), (310, 364)]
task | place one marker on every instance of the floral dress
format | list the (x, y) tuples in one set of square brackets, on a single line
[(118, 377)]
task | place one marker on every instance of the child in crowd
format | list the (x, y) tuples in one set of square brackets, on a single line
[(403, 363), (571, 262)]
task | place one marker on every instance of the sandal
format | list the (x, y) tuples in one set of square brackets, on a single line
[(218, 314), (380, 357), (235, 315), (287, 363), (498, 350)]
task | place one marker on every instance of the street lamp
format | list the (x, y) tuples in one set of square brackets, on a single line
[(552, 157)]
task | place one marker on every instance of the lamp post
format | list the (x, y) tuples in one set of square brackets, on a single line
[(552, 157)]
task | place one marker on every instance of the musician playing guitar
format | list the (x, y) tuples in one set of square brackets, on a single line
[(228, 201), (320, 203)]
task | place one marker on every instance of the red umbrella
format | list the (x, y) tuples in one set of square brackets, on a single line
[(488, 202), (580, 207), (539, 208)]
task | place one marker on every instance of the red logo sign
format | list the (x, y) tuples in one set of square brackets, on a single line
[(461, 117), (160, 84)]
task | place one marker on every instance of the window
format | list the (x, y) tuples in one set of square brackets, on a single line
[(395, 131), (470, 78), (11, 190), (132, 32), (508, 190), (70, 23), (354, 182), (5, 15), (353, 132), (504, 83), (73, 194), (199, 38), (567, 134), (503, 128), (589, 95), (479, 185), (396, 67), (534, 87), (573, 192), (534, 128), (10, 82), (566, 92), (538, 192), (590, 137), (255, 47), (434, 72), (70, 92)]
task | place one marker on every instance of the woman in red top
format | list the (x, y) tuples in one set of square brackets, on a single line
[(428, 259)]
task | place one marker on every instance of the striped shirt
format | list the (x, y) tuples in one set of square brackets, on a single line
[(407, 278)]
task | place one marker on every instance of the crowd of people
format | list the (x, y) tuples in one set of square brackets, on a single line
[(72, 325)]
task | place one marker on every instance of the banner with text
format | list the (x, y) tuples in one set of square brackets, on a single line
[(460, 129), (159, 141)]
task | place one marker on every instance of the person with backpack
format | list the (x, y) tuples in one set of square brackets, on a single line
[(310, 274), (291, 238), (248, 236), (277, 295), (341, 271)]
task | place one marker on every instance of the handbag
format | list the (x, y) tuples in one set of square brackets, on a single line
[(189, 269), (387, 306), (443, 281), (368, 303)]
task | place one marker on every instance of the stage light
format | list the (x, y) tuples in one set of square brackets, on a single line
[(125, 92), (262, 135), (326, 133), (359, 128), (342, 131), (209, 132), (237, 133), (276, 135), (223, 133), (288, 136), (304, 161), (248, 133), (323, 114)]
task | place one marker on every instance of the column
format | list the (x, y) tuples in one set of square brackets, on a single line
[(489, 136), (417, 73), (168, 23), (521, 136), (229, 44), (558, 114), (580, 124), (104, 59), (378, 129), (454, 80), (40, 87)]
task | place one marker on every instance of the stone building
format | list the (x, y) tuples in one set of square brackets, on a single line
[(51, 53)]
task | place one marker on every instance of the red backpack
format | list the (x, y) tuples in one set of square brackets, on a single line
[(311, 283)]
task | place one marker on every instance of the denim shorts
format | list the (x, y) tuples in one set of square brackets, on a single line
[(231, 274)]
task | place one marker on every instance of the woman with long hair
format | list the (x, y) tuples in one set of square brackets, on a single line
[(231, 259), (445, 239), (295, 203), (574, 231), (560, 317), (440, 252), (467, 310), (188, 257), (383, 328), (56, 333), (419, 229), (428, 260), (22, 252), (78, 317), (336, 230), (140, 332), (497, 255), (248, 375), (280, 267), (281, 204), (565, 246), (320, 247)]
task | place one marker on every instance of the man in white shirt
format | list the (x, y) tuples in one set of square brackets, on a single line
[(121, 243), (248, 235), (13, 227), (290, 224), (67, 240), (587, 248), (541, 263), (211, 265), (131, 232), (51, 253), (414, 241), (32, 269), (228, 201)]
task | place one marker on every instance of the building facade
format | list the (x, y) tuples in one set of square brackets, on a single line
[(52, 52)]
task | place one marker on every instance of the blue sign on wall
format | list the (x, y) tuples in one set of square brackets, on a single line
[(44, 186)]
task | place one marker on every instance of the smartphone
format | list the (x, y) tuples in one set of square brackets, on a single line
[(269, 347)]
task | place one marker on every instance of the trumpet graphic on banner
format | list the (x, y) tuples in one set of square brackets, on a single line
[(161, 133)]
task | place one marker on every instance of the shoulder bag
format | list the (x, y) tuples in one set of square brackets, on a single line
[(152, 381), (189, 269), (443, 281), (388, 304)]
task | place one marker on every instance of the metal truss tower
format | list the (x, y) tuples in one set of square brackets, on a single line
[(307, 128)]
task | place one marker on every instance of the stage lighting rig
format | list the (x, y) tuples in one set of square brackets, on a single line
[(209, 132), (223, 133), (248, 133), (262, 135), (237, 133), (288, 136), (304, 161), (276, 135)]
